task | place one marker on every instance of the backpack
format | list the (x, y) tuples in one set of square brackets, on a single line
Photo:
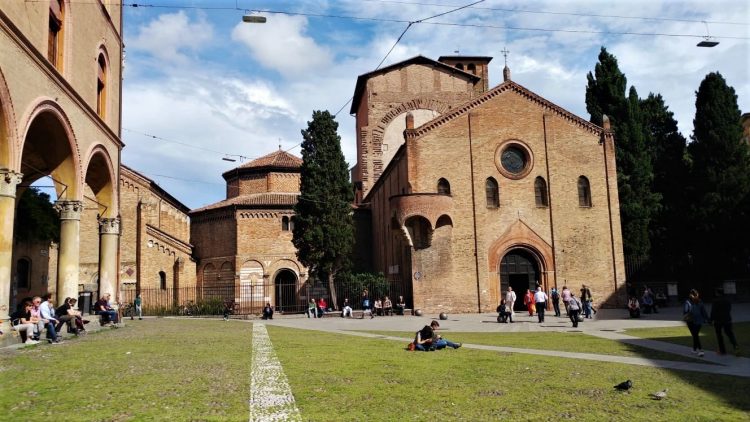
[(555, 295)]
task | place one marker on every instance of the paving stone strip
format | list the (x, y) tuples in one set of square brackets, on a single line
[(271, 397)]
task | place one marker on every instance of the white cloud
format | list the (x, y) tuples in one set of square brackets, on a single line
[(170, 37), (282, 45)]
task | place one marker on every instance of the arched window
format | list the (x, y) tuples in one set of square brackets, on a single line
[(55, 37), (540, 192), (285, 223), (443, 187), (101, 87), (493, 193), (472, 68), (23, 273), (460, 66), (162, 280), (584, 192)]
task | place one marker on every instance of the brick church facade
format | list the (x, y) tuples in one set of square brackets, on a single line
[(470, 190)]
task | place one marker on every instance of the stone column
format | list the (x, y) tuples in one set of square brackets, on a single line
[(68, 261), (8, 182), (109, 232)]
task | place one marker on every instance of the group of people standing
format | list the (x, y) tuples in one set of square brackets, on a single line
[(536, 302)]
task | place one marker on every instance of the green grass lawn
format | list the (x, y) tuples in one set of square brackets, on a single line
[(339, 377), (156, 369), (200, 370), (681, 335), (564, 342)]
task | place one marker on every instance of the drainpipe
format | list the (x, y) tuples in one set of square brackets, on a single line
[(604, 134), (474, 212), (549, 198)]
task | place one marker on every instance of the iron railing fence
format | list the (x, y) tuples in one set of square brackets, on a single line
[(249, 299)]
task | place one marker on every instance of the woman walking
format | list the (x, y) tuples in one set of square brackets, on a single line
[(528, 300), (694, 314)]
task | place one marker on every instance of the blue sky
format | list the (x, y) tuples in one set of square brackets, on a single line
[(196, 75)]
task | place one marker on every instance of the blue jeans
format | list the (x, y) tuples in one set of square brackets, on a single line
[(443, 343), (51, 333), (587, 309), (110, 316)]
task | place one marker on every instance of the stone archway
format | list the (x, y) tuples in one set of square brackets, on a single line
[(520, 268), (285, 283)]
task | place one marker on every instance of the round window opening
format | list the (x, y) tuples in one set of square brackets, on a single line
[(513, 159)]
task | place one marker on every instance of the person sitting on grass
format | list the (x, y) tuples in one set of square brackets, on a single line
[(109, 315), (268, 311), (427, 339), (21, 322)]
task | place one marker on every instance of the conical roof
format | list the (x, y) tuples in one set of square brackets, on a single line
[(275, 159)]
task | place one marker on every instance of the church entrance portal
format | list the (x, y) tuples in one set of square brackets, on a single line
[(519, 269), (286, 291)]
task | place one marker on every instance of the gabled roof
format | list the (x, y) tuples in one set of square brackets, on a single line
[(275, 160), (362, 79), (470, 105), (156, 188), (254, 200)]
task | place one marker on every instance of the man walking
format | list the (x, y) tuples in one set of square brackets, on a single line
[(540, 300), (555, 301), (721, 315), (510, 300), (566, 298)]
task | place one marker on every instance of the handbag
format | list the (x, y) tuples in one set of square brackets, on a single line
[(411, 347)]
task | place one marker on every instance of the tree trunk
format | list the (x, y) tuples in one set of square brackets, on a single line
[(332, 291)]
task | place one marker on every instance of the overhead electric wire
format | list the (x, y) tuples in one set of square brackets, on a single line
[(241, 157), (543, 12)]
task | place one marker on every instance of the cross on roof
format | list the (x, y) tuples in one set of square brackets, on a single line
[(505, 54)]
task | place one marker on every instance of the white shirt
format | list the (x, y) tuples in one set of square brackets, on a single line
[(540, 296), (46, 311), (510, 296)]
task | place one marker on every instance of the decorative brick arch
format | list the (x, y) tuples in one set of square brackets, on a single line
[(416, 104), (107, 195), (44, 105), (519, 236), (8, 137)]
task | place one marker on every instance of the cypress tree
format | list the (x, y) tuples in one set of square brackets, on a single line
[(605, 94), (720, 178), (323, 230), (668, 231)]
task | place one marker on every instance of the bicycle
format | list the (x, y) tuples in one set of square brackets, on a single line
[(128, 310)]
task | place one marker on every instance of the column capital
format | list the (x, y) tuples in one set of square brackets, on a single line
[(9, 179), (109, 225), (69, 210)]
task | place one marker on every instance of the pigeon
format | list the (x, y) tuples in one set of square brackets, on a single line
[(659, 395), (624, 386)]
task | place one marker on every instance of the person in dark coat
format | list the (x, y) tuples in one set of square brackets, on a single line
[(721, 315)]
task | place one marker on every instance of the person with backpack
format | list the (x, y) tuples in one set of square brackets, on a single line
[(694, 314), (574, 309), (555, 296)]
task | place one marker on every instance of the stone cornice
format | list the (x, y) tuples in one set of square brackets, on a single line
[(54, 75)]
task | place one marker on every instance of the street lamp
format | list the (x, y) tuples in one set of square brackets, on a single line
[(253, 19), (707, 41)]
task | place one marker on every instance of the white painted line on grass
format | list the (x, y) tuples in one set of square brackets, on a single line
[(271, 397)]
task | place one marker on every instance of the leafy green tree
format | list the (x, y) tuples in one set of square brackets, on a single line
[(36, 219), (323, 230), (668, 232), (605, 95), (720, 178)]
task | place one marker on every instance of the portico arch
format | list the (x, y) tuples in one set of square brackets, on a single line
[(49, 148), (8, 136), (286, 298)]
